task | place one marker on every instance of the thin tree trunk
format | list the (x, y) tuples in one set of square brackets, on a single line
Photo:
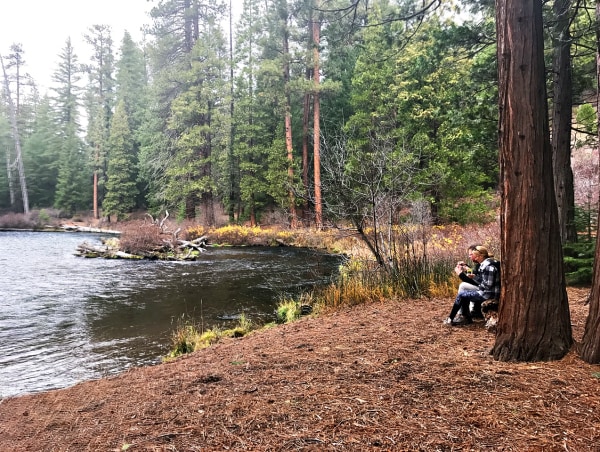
[(288, 120), (590, 344), (9, 176), (534, 320), (231, 159), (95, 199), (305, 151), (15, 130), (561, 121), (306, 121), (316, 122)]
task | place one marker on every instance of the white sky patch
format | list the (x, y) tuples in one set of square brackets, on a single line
[(42, 27)]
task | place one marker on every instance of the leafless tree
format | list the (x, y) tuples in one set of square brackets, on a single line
[(12, 111), (365, 189)]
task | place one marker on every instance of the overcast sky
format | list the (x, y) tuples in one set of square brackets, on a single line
[(43, 26)]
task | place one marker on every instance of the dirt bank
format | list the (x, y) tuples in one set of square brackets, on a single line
[(375, 377)]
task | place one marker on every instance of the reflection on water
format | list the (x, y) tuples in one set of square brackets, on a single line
[(64, 319)]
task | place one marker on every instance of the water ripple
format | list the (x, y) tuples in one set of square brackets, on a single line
[(64, 319)]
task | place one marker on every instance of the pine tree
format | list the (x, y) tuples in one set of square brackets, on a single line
[(121, 190), (73, 188), (100, 103), (132, 89), (41, 154), (199, 125)]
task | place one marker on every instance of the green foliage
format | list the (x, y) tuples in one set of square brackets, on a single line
[(121, 187), (578, 261), (476, 207), (436, 104), (421, 89), (587, 119), (198, 121), (586, 222), (73, 191), (41, 157)]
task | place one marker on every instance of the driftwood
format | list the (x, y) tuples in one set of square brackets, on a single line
[(171, 250), (77, 228)]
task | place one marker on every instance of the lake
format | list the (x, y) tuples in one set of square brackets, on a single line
[(65, 319)]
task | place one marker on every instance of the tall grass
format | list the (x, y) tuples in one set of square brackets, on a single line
[(188, 336), (420, 265)]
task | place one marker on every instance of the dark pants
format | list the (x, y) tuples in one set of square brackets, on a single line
[(461, 303)]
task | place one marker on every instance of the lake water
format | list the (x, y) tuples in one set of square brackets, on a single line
[(65, 319)]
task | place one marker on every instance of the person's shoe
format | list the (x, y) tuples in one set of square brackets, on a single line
[(448, 321), (462, 322)]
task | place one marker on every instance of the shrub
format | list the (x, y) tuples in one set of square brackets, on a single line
[(578, 261), (140, 236), (287, 311), (16, 221)]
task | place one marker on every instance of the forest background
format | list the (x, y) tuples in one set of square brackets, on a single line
[(215, 120)]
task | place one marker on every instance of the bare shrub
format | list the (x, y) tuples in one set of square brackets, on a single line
[(16, 221), (140, 236)]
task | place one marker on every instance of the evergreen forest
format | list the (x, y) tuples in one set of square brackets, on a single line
[(301, 112)]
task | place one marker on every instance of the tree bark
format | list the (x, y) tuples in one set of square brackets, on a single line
[(561, 121), (317, 121), (534, 320), (288, 113), (590, 344)]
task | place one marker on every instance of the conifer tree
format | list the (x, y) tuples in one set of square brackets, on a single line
[(100, 103), (199, 125), (41, 154), (73, 188), (121, 190), (132, 89)]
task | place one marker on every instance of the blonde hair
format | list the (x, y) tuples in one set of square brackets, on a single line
[(483, 252)]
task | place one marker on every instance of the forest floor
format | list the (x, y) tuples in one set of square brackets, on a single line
[(385, 376)]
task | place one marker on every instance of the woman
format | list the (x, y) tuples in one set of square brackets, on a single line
[(487, 281), (465, 273)]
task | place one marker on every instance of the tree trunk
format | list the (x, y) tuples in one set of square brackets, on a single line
[(9, 176), (561, 122), (288, 117), (534, 320), (590, 344), (316, 122), (231, 155), (95, 196), (305, 151)]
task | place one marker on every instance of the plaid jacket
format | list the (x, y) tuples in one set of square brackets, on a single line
[(488, 279)]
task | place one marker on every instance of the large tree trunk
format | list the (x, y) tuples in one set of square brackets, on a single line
[(590, 344), (561, 122), (534, 321)]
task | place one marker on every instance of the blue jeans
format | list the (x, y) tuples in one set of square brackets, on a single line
[(462, 303)]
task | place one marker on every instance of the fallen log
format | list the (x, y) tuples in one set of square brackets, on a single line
[(182, 250), (78, 228)]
